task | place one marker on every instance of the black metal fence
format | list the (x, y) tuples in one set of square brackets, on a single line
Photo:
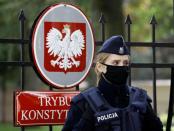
[(153, 44)]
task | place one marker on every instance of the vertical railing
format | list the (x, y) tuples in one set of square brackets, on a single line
[(22, 20), (153, 22), (77, 88), (171, 101), (128, 22), (102, 21), (50, 126)]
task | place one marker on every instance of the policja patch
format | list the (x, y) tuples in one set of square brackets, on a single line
[(107, 116)]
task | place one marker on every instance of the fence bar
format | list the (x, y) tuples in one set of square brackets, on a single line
[(151, 65), (128, 22), (151, 44), (102, 21), (50, 126), (77, 88), (133, 65), (171, 102), (153, 23), (13, 41), (148, 65), (22, 19), (145, 44), (15, 63), (99, 43)]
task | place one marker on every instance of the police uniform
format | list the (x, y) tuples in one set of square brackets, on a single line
[(112, 105)]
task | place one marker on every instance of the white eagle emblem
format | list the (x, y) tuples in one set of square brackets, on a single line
[(67, 48), (121, 50)]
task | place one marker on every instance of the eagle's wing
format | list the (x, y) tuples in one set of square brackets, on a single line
[(77, 43), (53, 41)]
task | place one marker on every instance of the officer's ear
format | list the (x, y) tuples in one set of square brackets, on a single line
[(100, 67)]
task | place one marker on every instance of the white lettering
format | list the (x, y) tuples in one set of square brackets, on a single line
[(59, 112), (68, 100), (98, 119), (24, 115), (107, 116), (47, 101), (54, 100), (46, 114), (43, 114), (66, 113), (62, 101), (32, 115), (52, 114), (39, 114), (41, 100)]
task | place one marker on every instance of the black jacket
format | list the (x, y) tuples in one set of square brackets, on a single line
[(80, 116)]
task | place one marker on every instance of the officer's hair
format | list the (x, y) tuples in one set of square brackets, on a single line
[(101, 58)]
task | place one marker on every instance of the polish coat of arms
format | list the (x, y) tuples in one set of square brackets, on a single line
[(65, 47), (62, 45)]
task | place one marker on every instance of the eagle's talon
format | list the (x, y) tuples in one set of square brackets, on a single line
[(77, 63), (53, 63)]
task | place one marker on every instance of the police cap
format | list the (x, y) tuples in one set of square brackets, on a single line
[(114, 45)]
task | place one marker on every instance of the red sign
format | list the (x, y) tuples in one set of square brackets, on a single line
[(41, 108), (69, 34)]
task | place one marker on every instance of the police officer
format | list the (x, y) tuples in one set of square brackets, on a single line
[(112, 105)]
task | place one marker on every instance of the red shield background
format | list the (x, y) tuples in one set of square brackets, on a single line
[(48, 57)]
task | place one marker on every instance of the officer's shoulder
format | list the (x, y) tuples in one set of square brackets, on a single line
[(80, 97), (134, 89)]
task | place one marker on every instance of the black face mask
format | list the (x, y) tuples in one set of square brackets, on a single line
[(116, 74)]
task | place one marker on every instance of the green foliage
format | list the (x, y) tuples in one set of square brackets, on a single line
[(141, 12), (9, 127), (113, 13)]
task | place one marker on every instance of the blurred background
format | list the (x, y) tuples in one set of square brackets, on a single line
[(115, 12)]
